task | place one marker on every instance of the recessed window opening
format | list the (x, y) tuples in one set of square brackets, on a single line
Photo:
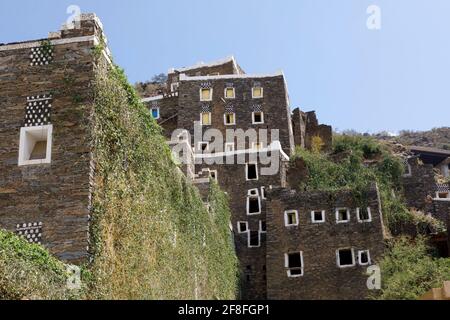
[(35, 145), (258, 117), (253, 239), (257, 92), (294, 264), (155, 113), (230, 119), (291, 218), (364, 257), (205, 118), (318, 216), (206, 94), (345, 258), (242, 227), (342, 215), (262, 226), (252, 171), (253, 205), (364, 214), (230, 93)]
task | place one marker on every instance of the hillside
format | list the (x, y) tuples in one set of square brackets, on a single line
[(437, 138)]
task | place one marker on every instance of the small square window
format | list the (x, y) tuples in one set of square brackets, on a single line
[(253, 205), (155, 113), (364, 258), (252, 171), (229, 147), (318, 216), (262, 226), (364, 214), (205, 118), (342, 215), (206, 94), (294, 264), (345, 258), (258, 117), (229, 119), (242, 227), (253, 239), (253, 192), (230, 93), (35, 146), (174, 86), (213, 174), (291, 218), (443, 195), (257, 92)]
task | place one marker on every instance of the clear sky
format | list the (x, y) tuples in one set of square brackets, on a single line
[(355, 78)]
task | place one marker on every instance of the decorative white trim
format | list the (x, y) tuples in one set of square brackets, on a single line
[(286, 265), (338, 259), (249, 237), (260, 227), (200, 144), (225, 119), (174, 86), (286, 220), (368, 212), (210, 94), (225, 93), (442, 199), (262, 93), (248, 205), (246, 171), (253, 117), (263, 193), (313, 216), (337, 215), (239, 226), (184, 77), (26, 146), (369, 262), (201, 119), (159, 115), (213, 174), (155, 98), (253, 193)]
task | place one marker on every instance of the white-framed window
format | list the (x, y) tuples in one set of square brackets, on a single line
[(230, 93), (203, 146), (318, 216), (443, 196), (257, 92), (242, 226), (35, 145), (257, 117), (342, 215), (253, 205), (253, 193), (364, 258), (206, 94), (229, 147), (364, 215), (229, 119), (291, 218), (263, 193), (345, 258), (262, 226), (251, 171), (205, 118), (213, 175), (155, 113), (174, 86), (254, 239), (293, 262)]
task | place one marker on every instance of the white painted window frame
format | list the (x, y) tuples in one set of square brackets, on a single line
[(253, 117), (253, 192), (239, 227), (225, 93), (23, 145), (338, 262), (286, 220), (211, 90), (313, 216), (201, 119), (159, 114), (263, 193), (246, 171), (248, 205), (286, 265), (348, 215), (253, 91), (225, 119), (199, 146), (174, 86), (259, 239), (369, 212), (260, 227), (216, 174), (360, 253), (442, 199)]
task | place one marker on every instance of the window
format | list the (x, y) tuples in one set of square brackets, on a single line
[(443, 195), (251, 170), (258, 117), (342, 215), (364, 258), (206, 94), (262, 226), (253, 192), (263, 193), (230, 93), (345, 258), (35, 145), (203, 146), (205, 118), (294, 264), (364, 215), (318, 216), (229, 119), (291, 218), (155, 113), (253, 205), (174, 86), (253, 239), (257, 92), (242, 227), (213, 174), (229, 147)]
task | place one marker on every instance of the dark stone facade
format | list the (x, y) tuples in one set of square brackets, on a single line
[(306, 127), (318, 242)]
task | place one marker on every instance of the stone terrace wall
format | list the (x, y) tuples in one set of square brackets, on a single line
[(53, 196), (419, 185), (322, 278)]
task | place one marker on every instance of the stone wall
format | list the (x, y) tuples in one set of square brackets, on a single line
[(419, 184), (322, 278), (306, 127), (49, 202)]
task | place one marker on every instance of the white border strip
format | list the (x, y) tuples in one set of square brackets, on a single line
[(184, 77)]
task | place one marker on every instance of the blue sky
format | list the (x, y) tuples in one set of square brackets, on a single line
[(355, 78)]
